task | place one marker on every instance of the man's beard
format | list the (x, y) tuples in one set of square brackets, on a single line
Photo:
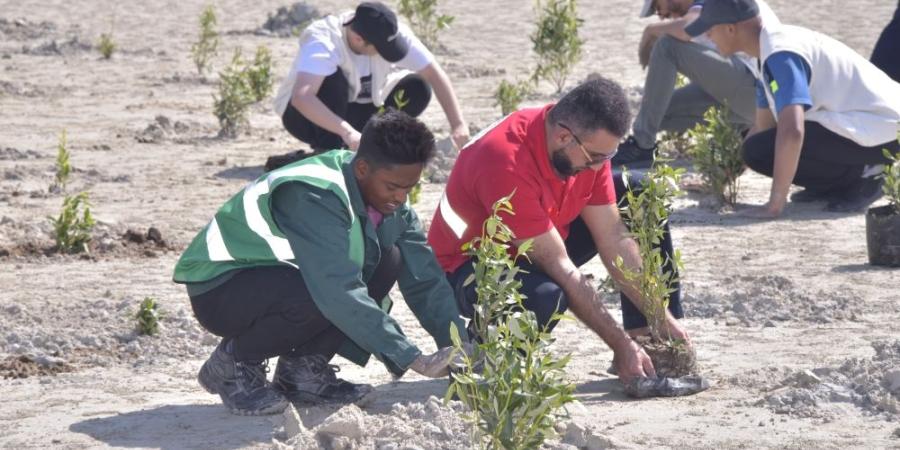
[(563, 164)]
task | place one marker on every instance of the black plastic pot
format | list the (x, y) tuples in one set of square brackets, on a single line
[(883, 236)]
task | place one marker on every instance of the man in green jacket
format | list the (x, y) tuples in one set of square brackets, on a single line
[(299, 264)]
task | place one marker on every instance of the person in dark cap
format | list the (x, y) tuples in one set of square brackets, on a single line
[(714, 80), (349, 67), (824, 113), (298, 266)]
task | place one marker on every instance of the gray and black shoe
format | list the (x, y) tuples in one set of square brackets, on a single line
[(310, 379), (633, 156), (241, 385)]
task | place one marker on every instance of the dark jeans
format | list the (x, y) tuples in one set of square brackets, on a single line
[(886, 54), (828, 161), (268, 311), (335, 94), (545, 297)]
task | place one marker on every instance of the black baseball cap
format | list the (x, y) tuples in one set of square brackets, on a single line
[(717, 12), (377, 24)]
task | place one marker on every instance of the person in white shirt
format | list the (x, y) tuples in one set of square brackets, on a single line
[(349, 67)]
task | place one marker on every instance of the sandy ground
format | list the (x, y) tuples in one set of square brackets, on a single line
[(796, 331)]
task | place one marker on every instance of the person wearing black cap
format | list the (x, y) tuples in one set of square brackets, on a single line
[(348, 68), (714, 80), (824, 113)]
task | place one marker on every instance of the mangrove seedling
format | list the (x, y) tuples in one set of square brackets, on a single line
[(106, 45), (717, 154), (259, 74), (891, 176), (72, 228), (424, 19), (234, 98), (513, 386), (148, 317), (508, 95), (207, 45), (555, 40), (63, 167), (646, 214)]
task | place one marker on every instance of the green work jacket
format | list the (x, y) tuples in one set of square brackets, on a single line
[(313, 219)]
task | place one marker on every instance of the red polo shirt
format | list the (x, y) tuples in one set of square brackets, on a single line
[(511, 155)]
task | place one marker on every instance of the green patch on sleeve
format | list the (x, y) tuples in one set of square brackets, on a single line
[(773, 85)]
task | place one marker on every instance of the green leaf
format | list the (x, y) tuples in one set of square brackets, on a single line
[(454, 336)]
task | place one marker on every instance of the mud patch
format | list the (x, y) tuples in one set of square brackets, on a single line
[(19, 173), (100, 332), (107, 242), (462, 70), (23, 29), (94, 176), (872, 384), (71, 47), (25, 366), (14, 154), (671, 360), (289, 21), (769, 299), (162, 129), (177, 78), (22, 90)]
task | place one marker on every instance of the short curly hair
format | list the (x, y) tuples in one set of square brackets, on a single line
[(596, 104), (395, 137)]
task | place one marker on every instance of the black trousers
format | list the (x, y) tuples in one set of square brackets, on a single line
[(886, 54), (545, 297), (268, 311), (335, 94), (828, 162)]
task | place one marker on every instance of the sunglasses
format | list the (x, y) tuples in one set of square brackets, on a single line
[(592, 158)]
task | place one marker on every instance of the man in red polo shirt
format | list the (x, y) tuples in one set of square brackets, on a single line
[(556, 158)]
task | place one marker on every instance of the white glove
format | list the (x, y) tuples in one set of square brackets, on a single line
[(437, 364)]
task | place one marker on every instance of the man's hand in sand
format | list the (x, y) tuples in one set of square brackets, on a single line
[(632, 361)]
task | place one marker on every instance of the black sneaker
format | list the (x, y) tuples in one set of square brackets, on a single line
[(310, 379), (857, 197), (274, 162), (632, 155), (241, 385)]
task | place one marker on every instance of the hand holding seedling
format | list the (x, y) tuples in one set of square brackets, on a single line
[(676, 330)]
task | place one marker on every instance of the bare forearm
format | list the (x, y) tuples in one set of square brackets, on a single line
[(313, 109), (587, 307), (443, 90), (549, 255), (788, 142)]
